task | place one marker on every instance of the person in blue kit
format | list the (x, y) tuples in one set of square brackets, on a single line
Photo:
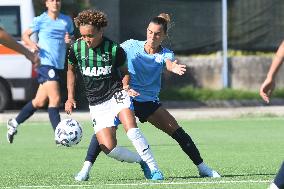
[(265, 92), (146, 61), (55, 31)]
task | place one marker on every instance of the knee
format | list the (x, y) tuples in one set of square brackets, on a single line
[(54, 101), (107, 149), (38, 103), (115, 153)]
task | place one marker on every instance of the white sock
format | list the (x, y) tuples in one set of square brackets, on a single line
[(86, 167), (142, 147), (123, 154)]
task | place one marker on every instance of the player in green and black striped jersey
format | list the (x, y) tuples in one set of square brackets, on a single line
[(100, 61), (99, 67)]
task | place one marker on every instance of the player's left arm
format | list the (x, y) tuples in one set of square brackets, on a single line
[(174, 67)]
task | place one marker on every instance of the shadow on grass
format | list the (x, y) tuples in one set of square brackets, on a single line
[(252, 174), (227, 176)]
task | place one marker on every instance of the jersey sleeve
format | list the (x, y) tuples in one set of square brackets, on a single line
[(71, 56), (126, 45), (35, 25), (120, 57), (169, 55)]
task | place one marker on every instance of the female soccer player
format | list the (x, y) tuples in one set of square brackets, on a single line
[(54, 32), (146, 61), (100, 62), (265, 92), (8, 41)]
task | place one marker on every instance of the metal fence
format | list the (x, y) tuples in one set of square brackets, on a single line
[(255, 25)]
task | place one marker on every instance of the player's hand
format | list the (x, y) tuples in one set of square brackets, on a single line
[(178, 68), (34, 58), (34, 48), (266, 89), (130, 92), (67, 38), (69, 105)]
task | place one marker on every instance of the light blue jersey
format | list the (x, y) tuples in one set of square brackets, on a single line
[(145, 69), (51, 35)]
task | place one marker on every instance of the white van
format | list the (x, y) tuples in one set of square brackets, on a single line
[(17, 77)]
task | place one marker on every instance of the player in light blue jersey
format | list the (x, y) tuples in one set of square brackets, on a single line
[(55, 31), (145, 69), (146, 62)]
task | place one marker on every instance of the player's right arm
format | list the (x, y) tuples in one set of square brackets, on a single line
[(71, 77), (27, 39), (268, 85), (70, 103)]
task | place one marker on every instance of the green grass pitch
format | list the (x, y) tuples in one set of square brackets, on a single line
[(247, 152)]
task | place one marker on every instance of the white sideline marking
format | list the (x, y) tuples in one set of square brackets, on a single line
[(151, 183)]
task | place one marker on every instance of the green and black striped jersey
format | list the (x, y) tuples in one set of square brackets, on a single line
[(99, 68)]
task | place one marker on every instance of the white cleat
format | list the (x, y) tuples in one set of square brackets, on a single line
[(11, 130), (82, 176), (272, 186), (205, 171), (210, 173)]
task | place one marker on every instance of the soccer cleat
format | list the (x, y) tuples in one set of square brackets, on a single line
[(209, 173), (156, 175), (11, 130), (82, 176), (146, 169), (273, 186)]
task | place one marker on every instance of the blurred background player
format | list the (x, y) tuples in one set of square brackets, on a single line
[(8, 41), (101, 63), (265, 92), (54, 31), (146, 61)]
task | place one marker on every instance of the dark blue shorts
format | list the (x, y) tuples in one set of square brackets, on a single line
[(144, 109), (47, 73)]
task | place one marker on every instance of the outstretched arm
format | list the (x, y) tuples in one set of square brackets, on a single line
[(9, 42), (268, 85), (174, 67)]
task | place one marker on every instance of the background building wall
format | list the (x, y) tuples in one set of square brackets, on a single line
[(246, 73)]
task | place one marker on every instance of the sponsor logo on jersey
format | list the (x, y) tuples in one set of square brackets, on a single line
[(159, 58), (96, 71), (85, 58), (105, 57)]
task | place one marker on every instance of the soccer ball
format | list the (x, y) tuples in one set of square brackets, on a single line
[(68, 132)]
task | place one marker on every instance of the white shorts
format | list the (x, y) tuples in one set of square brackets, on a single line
[(106, 114)]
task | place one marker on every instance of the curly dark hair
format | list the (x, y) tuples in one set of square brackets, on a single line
[(91, 17)]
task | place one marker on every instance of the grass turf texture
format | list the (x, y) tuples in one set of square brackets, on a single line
[(246, 151)]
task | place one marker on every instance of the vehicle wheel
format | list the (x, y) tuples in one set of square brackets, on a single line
[(4, 97)]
